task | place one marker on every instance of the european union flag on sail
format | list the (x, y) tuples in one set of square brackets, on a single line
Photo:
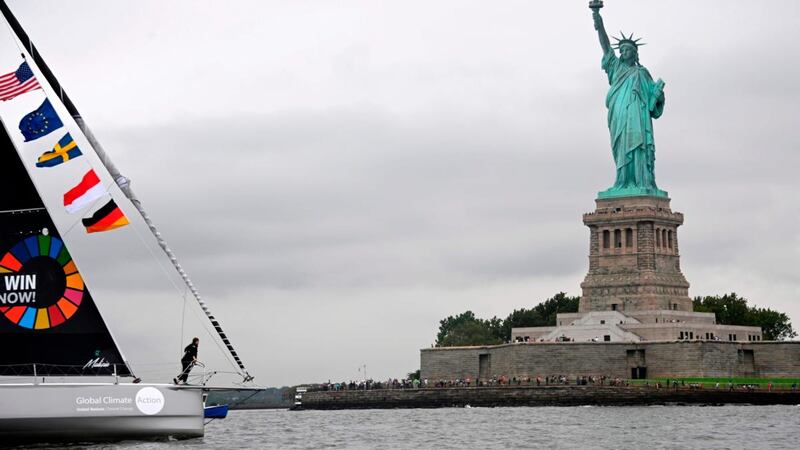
[(65, 150), (40, 122)]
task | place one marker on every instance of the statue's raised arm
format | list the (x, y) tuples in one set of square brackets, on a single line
[(595, 6)]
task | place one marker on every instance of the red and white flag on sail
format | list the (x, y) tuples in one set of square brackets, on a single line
[(86, 192), (17, 82)]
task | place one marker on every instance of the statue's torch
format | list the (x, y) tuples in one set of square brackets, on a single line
[(595, 4)]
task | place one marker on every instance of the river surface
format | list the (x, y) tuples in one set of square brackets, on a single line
[(646, 427)]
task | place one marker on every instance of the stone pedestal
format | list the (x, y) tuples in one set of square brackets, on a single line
[(634, 263)]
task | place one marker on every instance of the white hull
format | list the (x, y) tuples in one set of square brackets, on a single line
[(91, 412)]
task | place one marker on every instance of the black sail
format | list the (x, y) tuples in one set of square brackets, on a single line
[(49, 324)]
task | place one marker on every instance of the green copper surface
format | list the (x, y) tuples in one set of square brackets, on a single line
[(633, 101)]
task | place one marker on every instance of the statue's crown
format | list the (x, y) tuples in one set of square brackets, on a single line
[(629, 40)]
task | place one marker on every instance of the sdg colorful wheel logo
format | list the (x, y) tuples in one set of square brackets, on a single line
[(40, 286)]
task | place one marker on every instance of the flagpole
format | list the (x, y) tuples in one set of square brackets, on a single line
[(123, 182)]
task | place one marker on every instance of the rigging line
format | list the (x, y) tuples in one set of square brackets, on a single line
[(71, 227), (124, 185), (234, 404), (168, 275), (107, 187), (23, 210), (183, 320)]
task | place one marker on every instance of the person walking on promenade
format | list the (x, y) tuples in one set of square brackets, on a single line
[(188, 360)]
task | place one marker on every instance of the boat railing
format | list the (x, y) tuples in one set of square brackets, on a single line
[(204, 376), (40, 371)]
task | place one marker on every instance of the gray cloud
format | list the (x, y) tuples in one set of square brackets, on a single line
[(337, 178)]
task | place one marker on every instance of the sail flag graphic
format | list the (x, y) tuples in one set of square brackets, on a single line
[(82, 195), (40, 122), (106, 218), (18, 82), (65, 150)]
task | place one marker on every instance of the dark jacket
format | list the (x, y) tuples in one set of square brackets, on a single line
[(189, 353)]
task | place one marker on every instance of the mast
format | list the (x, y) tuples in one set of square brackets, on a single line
[(123, 182)]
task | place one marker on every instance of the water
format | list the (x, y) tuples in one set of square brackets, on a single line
[(647, 427)]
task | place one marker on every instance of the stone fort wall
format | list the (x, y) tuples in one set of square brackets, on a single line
[(536, 396), (614, 359)]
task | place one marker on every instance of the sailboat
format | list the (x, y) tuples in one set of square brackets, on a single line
[(51, 324)]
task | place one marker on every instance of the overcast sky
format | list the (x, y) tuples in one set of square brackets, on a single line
[(339, 176)]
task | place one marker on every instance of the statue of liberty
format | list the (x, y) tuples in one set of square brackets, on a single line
[(633, 101)]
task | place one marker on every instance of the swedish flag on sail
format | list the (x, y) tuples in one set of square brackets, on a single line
[(40, 122), (65, 150)]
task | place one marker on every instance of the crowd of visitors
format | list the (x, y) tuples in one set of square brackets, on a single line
[(547, 380), (391, 383), (501, 380)]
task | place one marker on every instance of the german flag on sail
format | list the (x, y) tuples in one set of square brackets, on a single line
[(65, 150), (106, 218)]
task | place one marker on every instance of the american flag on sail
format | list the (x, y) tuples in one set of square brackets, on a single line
[(17, 82)]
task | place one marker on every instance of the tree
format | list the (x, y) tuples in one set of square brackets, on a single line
[(775, 325), (466, 329), (496, 327), (521, 318), (541, 315), (449, 323), (559, 303), (475, 332), (730, 309), (413, 375)]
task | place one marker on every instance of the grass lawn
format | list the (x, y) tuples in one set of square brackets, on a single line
[(723, 381)]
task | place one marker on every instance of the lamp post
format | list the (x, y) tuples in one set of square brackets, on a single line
[(363, 366)]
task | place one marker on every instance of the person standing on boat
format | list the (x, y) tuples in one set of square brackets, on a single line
[(188, 360)]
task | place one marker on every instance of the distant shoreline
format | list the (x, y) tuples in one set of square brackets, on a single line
[(538, 396), (247, 406)]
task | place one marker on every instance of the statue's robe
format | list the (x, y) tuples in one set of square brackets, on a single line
[(633, 100)]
